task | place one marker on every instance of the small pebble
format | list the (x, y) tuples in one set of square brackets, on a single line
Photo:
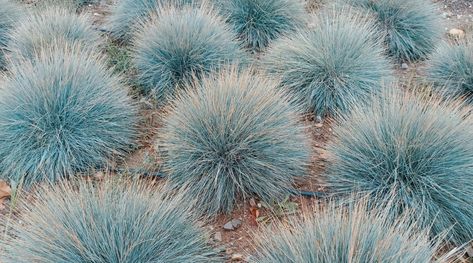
[(404, 66), (456, 33), (218, 236), (237, 257), (232, 225)]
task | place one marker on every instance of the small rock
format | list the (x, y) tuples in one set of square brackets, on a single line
[(232, 225), (218, 236), (97, 14), (318, 119), (319, 125), (469, 251), (456, 33), (237, 257), (404, 66)]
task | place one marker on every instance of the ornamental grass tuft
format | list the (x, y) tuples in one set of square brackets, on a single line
[(109, 222), (63, 114), (259, 22), (417, 147), (345, 234), (450, 69), (412, 27), (333, 65), (10, 13), (126, 14), (233, 136), (180, 46), (52, 25)]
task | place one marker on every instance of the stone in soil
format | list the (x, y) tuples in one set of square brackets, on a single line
[(218, 236), (232, 225)]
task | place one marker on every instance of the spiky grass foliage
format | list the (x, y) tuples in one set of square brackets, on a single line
[(345, 234), (10, 13), (451, 69), (126, 13), (233, 136), (111, 222), (412, 27), (418, 148), (259, 22), (62, 114), (41, 29), (331, 66), (178, 46)]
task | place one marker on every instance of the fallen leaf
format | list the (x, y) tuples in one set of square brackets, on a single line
[(254, 215)]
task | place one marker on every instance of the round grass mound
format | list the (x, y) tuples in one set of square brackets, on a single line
[(417, 148), (10, 13), (259, 22), (231, 137), (126, 14), (352, 234), (331, 66), (42, 29), (451, 69), (62, 114), (109, 222), (179, 46), (412, 28)]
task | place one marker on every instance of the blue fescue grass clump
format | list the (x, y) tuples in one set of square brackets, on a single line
[(412, 27), (10, 13), (127, 13), (42, 29), (179, 46), (418, 148), (336, 63), (109, 222), (62, 114), (259, 22), (233, 136), (345, 234), (450, 69)]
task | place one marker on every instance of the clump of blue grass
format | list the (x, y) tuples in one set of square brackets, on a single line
[(62, 114), (233, 136), (345, 234), (450, 69), (336, 63), (179, 46), (42, 29), (126, 13), (418, 148), (10, 13), (115, 221), (412, 27), (259, 22)]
